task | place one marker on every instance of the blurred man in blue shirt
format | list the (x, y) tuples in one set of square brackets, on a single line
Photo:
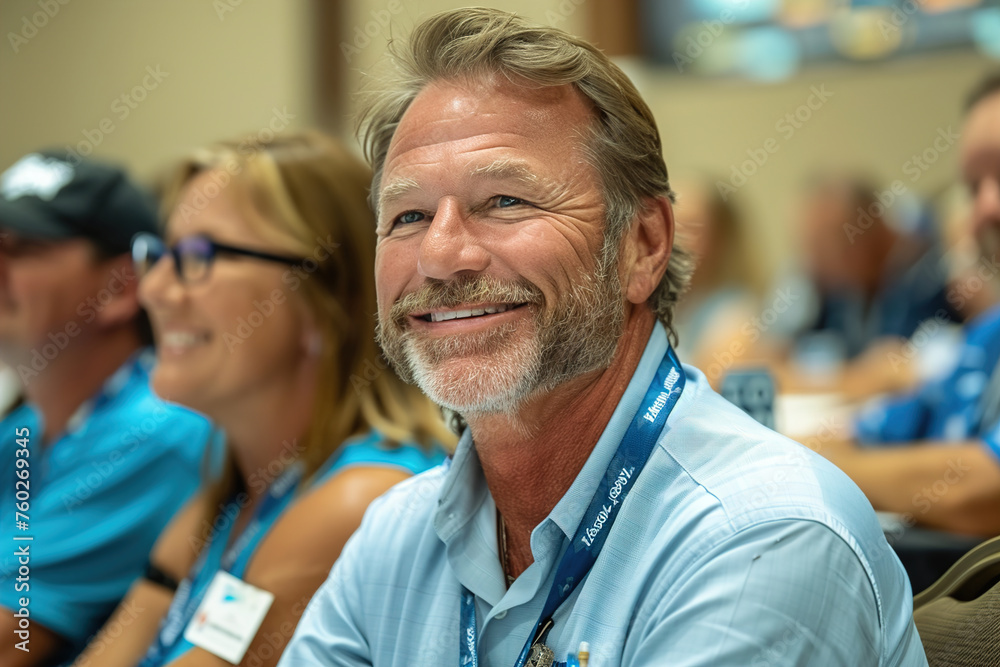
[(934, 455), (527, 277), (872, 280), (95, 463)]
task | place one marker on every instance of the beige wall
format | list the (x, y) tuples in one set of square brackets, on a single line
[(404, 14), (225, 72), (875, 120)]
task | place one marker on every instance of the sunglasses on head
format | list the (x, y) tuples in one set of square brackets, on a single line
[(193, 255)]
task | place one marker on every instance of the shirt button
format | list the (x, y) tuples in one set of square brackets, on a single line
[(502, 615)]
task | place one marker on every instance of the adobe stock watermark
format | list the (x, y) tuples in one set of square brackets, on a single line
[(929, 496), (867, 217), (362, 35), (121, 108), (223, 174), (796, 460), (90, 479), (422, 493), (751, 330), (777, 653), (258, 481), (923, 335), (698, 43), (960, 293), (370, 371), (273, 643), (899, 17), (786, 126), (915, 167), (89, 309), (224, 7), (292, 279), (116, 626), (38, 20), (957, 297), (561, 13)]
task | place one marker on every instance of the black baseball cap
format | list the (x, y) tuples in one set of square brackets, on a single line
[(53, 195)]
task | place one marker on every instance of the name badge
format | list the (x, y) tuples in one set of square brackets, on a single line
[(228, 617)]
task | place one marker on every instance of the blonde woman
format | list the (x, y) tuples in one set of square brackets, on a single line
[(262, 300)]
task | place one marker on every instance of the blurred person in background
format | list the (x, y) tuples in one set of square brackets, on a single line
[(872, 279), (972, 289), (934, 455), (94, 462), (262, 301), (868, 287), (725, 288)]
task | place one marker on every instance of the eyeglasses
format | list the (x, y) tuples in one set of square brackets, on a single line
[(193, 255)]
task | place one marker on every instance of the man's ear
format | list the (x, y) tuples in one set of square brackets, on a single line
[(647, 249), (118, 296)]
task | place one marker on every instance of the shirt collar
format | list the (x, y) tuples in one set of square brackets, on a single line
[(141, 361), (463, 492)]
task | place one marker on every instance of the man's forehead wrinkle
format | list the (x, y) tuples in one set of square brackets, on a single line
[(468, 152), (428, 139), (459, 102)]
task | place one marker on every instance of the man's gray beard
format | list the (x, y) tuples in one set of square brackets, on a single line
[(578, 336)]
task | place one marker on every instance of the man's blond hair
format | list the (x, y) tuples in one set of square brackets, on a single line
[(623, 143)]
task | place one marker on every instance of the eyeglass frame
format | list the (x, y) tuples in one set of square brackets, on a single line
[(214, 248)]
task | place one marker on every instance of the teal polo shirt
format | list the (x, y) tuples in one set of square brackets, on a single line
[(99, 495)]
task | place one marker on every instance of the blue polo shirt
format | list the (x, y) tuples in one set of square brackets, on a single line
[(98, 496), (954, 408), (736, 546)]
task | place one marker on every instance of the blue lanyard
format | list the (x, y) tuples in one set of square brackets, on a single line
[(190, 592), (633, 452)]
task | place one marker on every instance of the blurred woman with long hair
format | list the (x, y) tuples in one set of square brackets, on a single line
[(262, 299)]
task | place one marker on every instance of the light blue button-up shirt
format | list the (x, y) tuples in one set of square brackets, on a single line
[(736, 546)]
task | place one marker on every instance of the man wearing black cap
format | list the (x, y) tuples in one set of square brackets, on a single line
[(96, 463)]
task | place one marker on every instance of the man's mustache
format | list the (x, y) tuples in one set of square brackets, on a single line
[(438, 294)]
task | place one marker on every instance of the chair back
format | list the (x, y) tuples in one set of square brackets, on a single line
[(958, 617)]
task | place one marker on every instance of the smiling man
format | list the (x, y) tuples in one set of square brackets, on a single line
[(603, 499)]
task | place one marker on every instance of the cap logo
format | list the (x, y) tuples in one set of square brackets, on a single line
[(35, 175)]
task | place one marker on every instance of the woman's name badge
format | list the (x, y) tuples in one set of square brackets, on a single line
[(228, 617)]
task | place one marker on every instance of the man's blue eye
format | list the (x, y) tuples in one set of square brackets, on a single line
[(410, 216), (503, 201)]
